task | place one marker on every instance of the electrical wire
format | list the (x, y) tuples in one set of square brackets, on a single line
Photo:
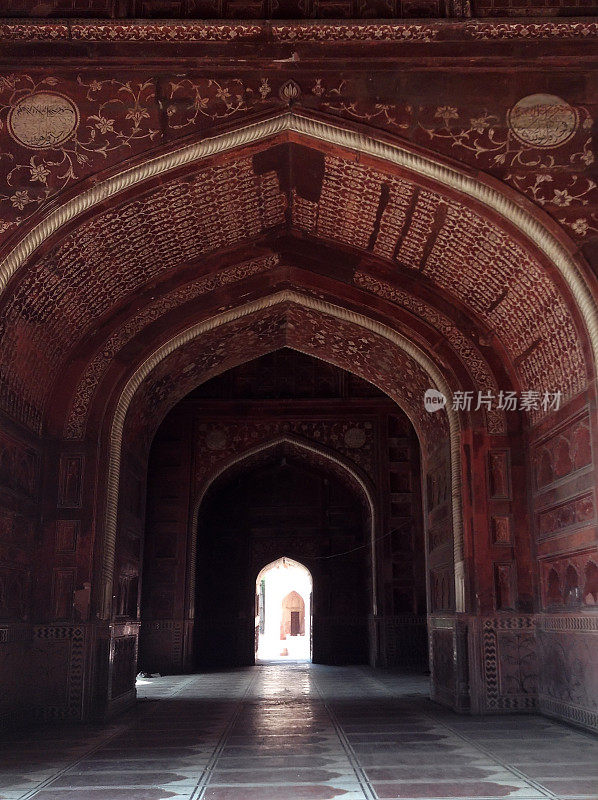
[(361, 546)]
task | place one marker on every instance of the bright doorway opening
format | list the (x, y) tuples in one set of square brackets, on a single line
[(283, 611)]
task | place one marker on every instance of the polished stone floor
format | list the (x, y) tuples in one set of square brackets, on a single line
[(299, 732)]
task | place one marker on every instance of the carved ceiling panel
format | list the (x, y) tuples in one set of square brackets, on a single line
[(464, 255), (111, 256), (291, 9), (344, 344), (97, 367)]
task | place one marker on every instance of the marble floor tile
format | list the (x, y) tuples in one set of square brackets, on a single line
[(299, 732)]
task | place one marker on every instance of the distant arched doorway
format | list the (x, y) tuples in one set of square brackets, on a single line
[(293, 615), (283, 611), (278, 504)]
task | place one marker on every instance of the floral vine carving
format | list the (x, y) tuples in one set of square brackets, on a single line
[(543, 191), (552, 176), (486, 136), (385, 115), (191, 100), (117, 117), (581, 226)]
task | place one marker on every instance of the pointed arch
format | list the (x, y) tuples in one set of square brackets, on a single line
[(336, 313), (359, 481)]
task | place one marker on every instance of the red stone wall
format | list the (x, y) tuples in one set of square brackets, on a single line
[(19, 523), (42, 649), (564, 479)]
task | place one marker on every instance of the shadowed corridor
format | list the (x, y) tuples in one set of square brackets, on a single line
[(294, 732)]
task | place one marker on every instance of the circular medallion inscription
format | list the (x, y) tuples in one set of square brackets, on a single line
[(216, 439), (43, 120), (543, 120), (355, 437)]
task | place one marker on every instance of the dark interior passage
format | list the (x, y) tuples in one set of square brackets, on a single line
[(289, 456), (282, 508)]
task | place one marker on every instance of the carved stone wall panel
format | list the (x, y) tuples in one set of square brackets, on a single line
[(17, 542), (70, 481), (510, 663), (239, 437), (15, 591), (19, 467), (565, 520), (63, 584), (505, 586), (16, 535), (563, 453), (67, 534), (42, 672), (576, 512), (570, 581), (501, 530), (14, 647), (442, 591), (499, 475), (568, 686)]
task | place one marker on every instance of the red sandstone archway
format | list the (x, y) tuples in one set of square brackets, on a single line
[(447, 272), (543, 288)]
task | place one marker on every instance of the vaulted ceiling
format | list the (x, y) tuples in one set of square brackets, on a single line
[(276, 210)]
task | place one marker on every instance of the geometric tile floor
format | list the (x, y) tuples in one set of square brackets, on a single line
[(299, 732)]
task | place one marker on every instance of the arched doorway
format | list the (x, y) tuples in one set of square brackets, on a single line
[(276, 465), (285, 507), (283, 612)]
